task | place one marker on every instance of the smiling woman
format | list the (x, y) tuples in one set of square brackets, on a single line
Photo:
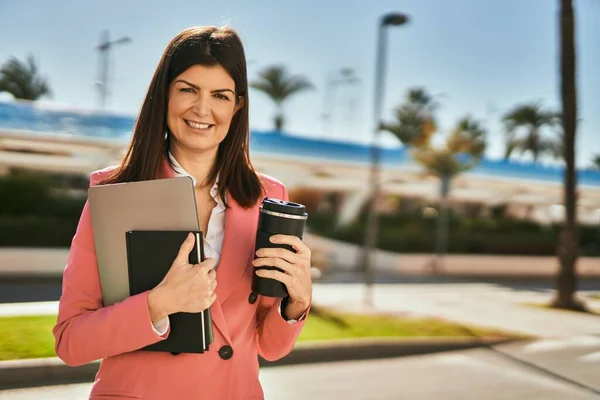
[(202, 103), (193, 122), (202, 74)]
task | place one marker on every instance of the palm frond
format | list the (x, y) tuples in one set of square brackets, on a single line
[(414, 119), (596, 161), (531, 118), (279, 85), (22, 79), (467, 137), (441, 163)]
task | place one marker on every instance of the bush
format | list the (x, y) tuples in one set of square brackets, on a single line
[(23, 194), (34, 231), (412, 233), (33, 212)]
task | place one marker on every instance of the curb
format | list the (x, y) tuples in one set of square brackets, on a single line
[(52, 371), (369, 349), (16, 374)]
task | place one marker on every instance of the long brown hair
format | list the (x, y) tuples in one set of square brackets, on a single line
[(207, 46)]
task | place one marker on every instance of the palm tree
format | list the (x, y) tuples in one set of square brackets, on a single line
[(275, 82), (464, 147), (414, 126), (568, 246), (22, 79), (533, 119), (596, 161), (415, 121)]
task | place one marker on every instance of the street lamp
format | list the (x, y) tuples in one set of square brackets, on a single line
[(345, 76), (104, 49), (371, 232)]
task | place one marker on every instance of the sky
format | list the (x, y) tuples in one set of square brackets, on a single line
[(477, 57)]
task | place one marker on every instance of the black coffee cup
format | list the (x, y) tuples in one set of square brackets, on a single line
[(276, 217)]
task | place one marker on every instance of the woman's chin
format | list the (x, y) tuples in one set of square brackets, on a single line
[(198, 145)]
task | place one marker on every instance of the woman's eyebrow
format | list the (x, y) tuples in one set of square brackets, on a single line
[(198, 88), (223, 90), (188, 83)]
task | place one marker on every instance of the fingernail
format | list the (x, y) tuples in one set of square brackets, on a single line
[(273, 239)]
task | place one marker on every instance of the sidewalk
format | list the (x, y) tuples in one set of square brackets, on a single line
[(23, 309), (345, 256), (480, 304), (49, 263)]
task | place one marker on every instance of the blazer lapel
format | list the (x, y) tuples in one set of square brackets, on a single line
[(238, 247)]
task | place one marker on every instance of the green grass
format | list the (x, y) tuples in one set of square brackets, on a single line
[(364, 326), (26, 337), (31, 336)]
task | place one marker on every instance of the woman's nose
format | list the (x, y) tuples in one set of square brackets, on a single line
[(202, 105)]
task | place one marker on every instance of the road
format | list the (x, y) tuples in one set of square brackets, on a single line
[(29, 290), (40, 289), (548, 369)]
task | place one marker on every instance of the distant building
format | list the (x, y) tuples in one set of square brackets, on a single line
[(330, 174)]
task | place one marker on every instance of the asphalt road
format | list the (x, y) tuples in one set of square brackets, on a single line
[(548, 369), (34, 290), (29, 290)]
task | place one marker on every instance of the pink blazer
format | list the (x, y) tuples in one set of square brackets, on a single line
[(244, 325)]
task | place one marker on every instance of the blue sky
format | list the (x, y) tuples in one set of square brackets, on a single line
[(480, 56)]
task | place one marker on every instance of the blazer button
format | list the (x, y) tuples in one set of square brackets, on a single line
[(226, 352), (252, 298)]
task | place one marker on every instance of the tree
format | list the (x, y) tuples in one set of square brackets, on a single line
[(414, 126), (596, 161), (22, 79), (568, 246), (533, 120), (463, 149), (275, 82)]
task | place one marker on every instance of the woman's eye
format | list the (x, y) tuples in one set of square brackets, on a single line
[(221, 96), (187, 90)]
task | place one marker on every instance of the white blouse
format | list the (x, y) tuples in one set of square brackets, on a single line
[(213, 237)]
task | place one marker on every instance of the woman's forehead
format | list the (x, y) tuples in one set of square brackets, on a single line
[(209, 77)]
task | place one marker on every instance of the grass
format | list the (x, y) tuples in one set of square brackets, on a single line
[(31, 336), (26, 337), (381, 325)]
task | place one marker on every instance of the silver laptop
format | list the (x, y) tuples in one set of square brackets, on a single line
[(161, 204)]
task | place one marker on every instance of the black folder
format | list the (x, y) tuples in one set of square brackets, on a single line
[(149, 258)]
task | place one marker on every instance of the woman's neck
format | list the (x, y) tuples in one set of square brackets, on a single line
[(197, 165)]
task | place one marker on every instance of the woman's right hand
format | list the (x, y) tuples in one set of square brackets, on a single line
[(186, 287)]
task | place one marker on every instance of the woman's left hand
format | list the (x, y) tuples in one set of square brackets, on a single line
[(296, 267)]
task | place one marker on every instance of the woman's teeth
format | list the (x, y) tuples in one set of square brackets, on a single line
[(196, 125)]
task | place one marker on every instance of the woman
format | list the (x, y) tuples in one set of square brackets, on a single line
[(194, 121)]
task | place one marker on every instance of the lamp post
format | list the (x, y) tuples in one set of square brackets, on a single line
[(371, 232), (104, 49), (345, 76)]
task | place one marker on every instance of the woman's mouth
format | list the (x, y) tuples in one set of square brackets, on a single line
[(198, 125)]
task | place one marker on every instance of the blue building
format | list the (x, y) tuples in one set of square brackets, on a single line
[(69, 140)]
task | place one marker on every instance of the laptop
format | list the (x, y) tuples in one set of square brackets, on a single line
[(161, 204)]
